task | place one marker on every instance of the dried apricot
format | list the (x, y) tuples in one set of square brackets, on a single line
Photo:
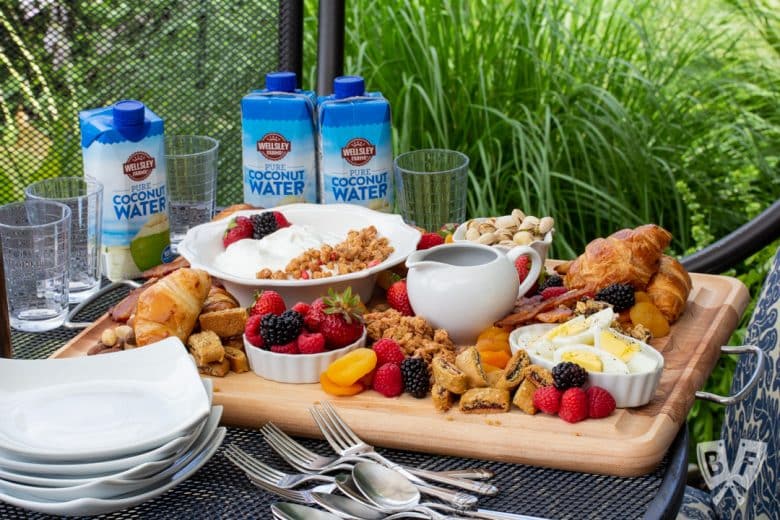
[(497, 358), (346, 370), (641, 296), (647, 314), (493, 332), (488, 368), (492, 344), (334, 389)]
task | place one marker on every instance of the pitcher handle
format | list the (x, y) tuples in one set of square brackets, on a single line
[(536, 266)]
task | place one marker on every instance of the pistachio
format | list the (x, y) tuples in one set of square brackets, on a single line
[(505, 222), (108, 338), (523, 238), (507, 243), (505, 233), (488, 239), (545, 225), (486, 227), (472, 234), (518, 215), (472, 224), (528, 223)]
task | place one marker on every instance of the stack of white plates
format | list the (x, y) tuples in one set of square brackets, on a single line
[(91, 435)]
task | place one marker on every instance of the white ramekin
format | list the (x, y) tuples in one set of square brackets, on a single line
[(295, 368)]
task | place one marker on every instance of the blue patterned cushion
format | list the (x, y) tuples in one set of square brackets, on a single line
[(757, 418), (696, 505)]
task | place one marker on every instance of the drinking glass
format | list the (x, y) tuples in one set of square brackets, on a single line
[(84, 197), (191, 182), (35, 237), (431, 187)]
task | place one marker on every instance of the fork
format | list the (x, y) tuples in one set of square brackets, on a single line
[(344, 441), (308, 461), (257, 470)]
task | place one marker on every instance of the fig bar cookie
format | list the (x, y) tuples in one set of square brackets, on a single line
[(469, 363), (442, 398), (448, 376), (533, 377), (513, 373), (485, 400)]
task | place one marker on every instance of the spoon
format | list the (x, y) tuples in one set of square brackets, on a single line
[(288, 511), (390, 491), (350, 509)]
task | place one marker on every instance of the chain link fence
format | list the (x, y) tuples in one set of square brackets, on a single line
[(190, 61)]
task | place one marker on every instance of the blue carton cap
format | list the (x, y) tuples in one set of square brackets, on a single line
[(280, 81), (348, 86), (128, 112)]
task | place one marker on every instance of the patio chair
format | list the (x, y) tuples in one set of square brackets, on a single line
[(751, 431)]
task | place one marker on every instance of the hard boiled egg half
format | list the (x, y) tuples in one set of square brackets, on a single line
[(591, 359)]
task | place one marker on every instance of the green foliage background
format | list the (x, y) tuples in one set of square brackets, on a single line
[(602, 113)]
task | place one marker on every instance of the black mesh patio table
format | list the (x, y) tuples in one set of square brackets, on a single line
[(220, 490)]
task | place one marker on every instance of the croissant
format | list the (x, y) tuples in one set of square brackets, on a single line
[(171, 306), (218, 299), (627, 256), (669, 288)]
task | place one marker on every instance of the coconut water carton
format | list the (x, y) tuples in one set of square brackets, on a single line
[(124, 148), (278, 151), (355, 146)]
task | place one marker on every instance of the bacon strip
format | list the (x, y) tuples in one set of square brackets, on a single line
[(122, 311), (528, 313), (161, 270), (558, 315)]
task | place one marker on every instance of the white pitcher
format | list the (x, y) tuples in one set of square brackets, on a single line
[(465, 287)]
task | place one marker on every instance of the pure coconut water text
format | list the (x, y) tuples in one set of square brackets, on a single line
[(124, 148), (278, 150), (355, 146)]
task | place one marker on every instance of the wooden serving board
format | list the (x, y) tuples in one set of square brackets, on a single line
[(630, 442)]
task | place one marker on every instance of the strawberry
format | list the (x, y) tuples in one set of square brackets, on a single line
[(281, 220), (523, 266), (388, 380), (268, 301), (388, 351), (313, 318), (428, 240), (311, 343), (548, 399), (552, 292), (301, 308), (600, 402), (574, 405), (287, 348), (252, 331), (237, 229), (398, 298), (342, 323)]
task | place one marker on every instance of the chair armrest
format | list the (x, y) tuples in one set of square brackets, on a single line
[(668, 500)]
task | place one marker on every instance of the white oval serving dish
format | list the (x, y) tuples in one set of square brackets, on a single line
[(203, 243), (295, 368)]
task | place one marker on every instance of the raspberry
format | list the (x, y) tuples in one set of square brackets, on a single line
[(280, 330), (552, 292), (311, 343), (301, 308), (388, 351), (316, 314), (548, 399), (416, 379), (600, 402), (574, 405), (428, 240), (281, 220), (288, 348), (568, 375), (388, 380), (252, 331)]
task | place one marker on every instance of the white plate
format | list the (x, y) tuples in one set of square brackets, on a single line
[(99, 407), (98, 506), (107, 487), (147, 469), (203, 243), (98, 469)]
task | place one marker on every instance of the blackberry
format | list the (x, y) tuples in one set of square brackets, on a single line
[(551, 281), (263, 224), (568, 375), (280, 330), (619, 295), (415, 376)]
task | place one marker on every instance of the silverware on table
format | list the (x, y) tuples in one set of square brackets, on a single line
[(307, 461), (346, 443)]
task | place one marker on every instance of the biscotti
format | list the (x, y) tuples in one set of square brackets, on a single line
[(225, 323)]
